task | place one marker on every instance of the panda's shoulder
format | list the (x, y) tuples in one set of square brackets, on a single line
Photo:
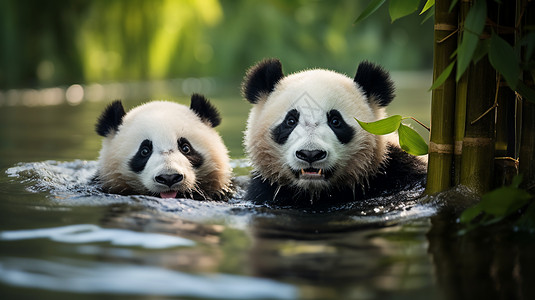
[(400, 161)]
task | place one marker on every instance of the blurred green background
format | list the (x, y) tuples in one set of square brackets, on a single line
[(76, 56), (50, 43)]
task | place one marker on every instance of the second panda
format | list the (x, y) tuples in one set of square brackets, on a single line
[(164, 149), (305, 146)]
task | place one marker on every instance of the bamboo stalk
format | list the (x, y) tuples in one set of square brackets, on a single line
[(443, 101), (478, 144), (527, 143), (505, 169), (527, 146), (460, 104)]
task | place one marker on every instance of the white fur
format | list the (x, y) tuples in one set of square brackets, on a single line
[(314, 93), (164, 123)]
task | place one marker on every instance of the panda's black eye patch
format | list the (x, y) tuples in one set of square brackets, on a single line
[(282, 131), (338, 125), (195, 158), (139, 160)]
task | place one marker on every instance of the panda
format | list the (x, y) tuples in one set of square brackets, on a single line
[(307, 149), (163, 149)]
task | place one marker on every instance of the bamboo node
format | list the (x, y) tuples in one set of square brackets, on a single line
[(440, 148), (445, 27), (458, 149)]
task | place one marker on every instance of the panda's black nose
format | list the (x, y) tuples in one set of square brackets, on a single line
[(169, 179), (310, 156)]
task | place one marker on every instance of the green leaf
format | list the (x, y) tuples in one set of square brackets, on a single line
[(517, 180), (427, 6), (529, 41), (504, 201), (411, 141), (428, 15), (454, 53), (470, 214), (370, 9), (381, 127), (401, 8), (503, 58), (482, 49), (443, 76), (525, 91), (452, 5), (473, 26)]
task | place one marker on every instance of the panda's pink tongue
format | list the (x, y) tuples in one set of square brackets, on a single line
[(170, 194)]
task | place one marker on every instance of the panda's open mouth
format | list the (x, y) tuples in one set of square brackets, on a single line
[(311, 174)]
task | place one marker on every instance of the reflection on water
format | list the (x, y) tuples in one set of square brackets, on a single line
[(115, 278), (492, 263)]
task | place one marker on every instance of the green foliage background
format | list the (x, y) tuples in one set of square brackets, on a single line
[(48, 43)]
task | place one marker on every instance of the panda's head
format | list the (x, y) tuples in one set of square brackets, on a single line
[(302, 131), (163, 149)]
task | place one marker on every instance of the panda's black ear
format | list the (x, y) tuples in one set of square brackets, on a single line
[(205, 110), (375, 83), (261, 79), (110, 119)]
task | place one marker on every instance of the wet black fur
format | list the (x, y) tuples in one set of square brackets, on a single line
[(375, 83), (261, 79), (401, 172), (205, 110), (110, 119)]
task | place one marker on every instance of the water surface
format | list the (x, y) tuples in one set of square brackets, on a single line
[(62, 238)]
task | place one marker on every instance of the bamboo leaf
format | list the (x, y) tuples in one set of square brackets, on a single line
[(482, 49), (504, 201), (529, 41), (470, 214), (452, 5), (517, 180), (428, 15), (411, 141), (443, 76), (381, 127), (497, 204), (427, 6), (370, 9), (401, 8), (503, 58), (473, 26)]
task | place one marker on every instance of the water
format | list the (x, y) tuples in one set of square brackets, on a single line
[(61, 238)]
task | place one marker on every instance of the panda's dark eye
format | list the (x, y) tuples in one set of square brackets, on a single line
[(145, 151), (185, 148), (335, 122), (291, 121)]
